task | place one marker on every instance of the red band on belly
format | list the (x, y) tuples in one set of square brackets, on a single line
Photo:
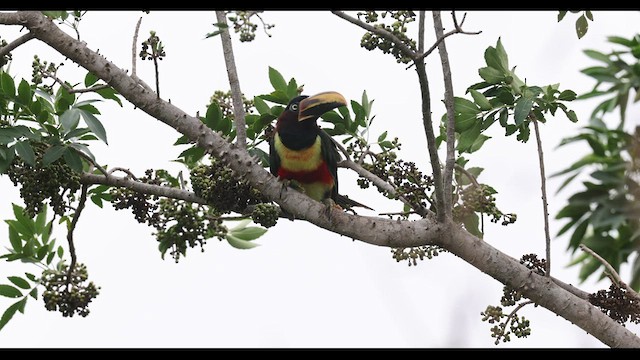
[(321, 174)]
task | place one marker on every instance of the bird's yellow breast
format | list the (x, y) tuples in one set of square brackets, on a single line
[(308, 159)]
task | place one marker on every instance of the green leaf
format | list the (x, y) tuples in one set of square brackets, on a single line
[(261, 106), (9, 291), (213, 118), (19, 282), (109, 93), (7, 85), (90, 79), (572, 211), (382, 136), (24, 93), (588, 14), (471, 223), (292, 89), (502, 56), (15, 240), (95, 125), (578, 234), (60, 251), (581, 26), (20, 228), (34, 293), (52, 154), (277, 81), (522, 109), (277, 96), (468, 137), (8, 314), (466, 113), (73, 160), (478, 143), (25, 151), (239, 243), (480, 99), (567, 95), (621, 41), (70, 119), (596, 55), (491, 75), (41, 219), (249, 233), (561, 15)]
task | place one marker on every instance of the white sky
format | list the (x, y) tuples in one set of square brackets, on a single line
[(306, 287)]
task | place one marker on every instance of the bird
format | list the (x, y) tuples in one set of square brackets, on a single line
[(303, 155)]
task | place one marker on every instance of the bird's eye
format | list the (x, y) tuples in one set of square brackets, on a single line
[(294, 107)]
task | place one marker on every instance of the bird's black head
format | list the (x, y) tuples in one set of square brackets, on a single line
[(312, 107)]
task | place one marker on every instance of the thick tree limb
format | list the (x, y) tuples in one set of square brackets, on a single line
[(234, 83), (447, 179), (540, 289)]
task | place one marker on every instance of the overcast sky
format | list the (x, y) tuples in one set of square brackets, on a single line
[(306, 287)]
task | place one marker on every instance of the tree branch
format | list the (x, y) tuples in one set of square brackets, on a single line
[(126, 182), (134, 47), (4, 50), (378, 31), (234, 83), (383, 185), (614, 274), (451, 121), (373, 230), (71, 90), (543, 186), (441, 37), (72, 227)]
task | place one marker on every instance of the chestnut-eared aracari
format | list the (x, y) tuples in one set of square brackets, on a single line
[(303, 154)]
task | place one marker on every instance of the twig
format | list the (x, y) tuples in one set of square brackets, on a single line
[(441, 37), (448, 103), (379, 31), (543, 187), (89, 159), (431, 139), (71, 90), (134, 58), (134, 48), (15, 43), (469, 175), (234, 83), (511, 316), (615, 277), (72, 227), (383, 185), (426, 105), (126, 171), (421, 17), (341, 148)]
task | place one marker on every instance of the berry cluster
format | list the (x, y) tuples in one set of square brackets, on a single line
[(217, 184), (371, 41), (242, 24), (617, 304), (479, 198), (68, 293), (411, 255), (409, 182), (518, 326), (39, 183), (265, 214), (41, 70), (153, 43)]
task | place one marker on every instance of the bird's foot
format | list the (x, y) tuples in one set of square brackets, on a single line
[(330, 207), (290, 183)]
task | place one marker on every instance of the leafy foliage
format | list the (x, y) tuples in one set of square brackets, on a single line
[(604, 212)]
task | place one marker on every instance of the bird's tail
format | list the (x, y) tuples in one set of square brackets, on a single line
[(347, 203)]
